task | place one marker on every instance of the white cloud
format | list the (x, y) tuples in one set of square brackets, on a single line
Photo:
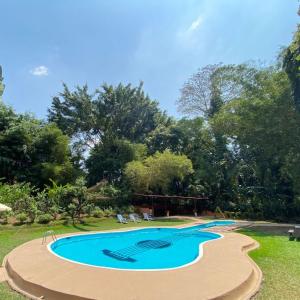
[(40, 71), (189, 37), (195, 25)]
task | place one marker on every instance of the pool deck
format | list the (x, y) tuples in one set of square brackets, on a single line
[(224, 272)]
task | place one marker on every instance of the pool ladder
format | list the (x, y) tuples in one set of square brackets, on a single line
[(49, 233)]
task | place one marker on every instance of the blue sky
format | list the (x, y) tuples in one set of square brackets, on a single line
[(161, 42)]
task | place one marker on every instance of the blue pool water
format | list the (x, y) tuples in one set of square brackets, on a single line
[(141, 249)]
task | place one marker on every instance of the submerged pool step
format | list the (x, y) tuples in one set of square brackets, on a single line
[(118, 256)]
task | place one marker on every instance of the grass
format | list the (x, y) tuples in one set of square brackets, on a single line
[(13, 236), (278, 258)]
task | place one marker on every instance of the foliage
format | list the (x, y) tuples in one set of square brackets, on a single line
[(208, 89), (32, 151), (70, 199), (263, 129), (291, 64), (107, 160), (21, 217), (138, 175), (4, 217), (98, 212), (44, 219), (161, 172), (19, 197), (121, 112)]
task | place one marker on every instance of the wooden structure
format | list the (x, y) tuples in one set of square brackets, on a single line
[(165, 205)]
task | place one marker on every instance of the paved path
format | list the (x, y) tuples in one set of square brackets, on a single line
[(224, 272), (2, 277)]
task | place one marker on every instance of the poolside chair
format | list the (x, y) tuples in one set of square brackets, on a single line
[(147, 217), (121, 219), (297, 233), (294, 233), (135, 218)]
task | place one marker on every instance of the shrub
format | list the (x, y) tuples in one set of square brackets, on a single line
[(19, 197), (89, 209), (4, 217), (21, 217), (98, 213), (44, 219), (26, 205), (46, 204), (10, 193), (109, 212), (67, 220), (125, 209), (71, 199)]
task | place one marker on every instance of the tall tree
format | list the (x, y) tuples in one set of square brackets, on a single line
[(291, 64), (107, 159), (111, 112), (263, 129), (32, 151), (208, 89)]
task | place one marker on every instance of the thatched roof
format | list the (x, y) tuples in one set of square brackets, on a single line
[(4, 208)]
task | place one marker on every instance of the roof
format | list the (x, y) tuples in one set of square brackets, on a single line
[(4, 207), (173, 197)]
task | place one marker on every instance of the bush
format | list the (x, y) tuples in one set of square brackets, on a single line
[(109, 212), (98, 213), (71, 199), (129, 209), (44, 219), (11, 193), (21, 217), (4, 217), (19, 197), (89, 209), (67, 220), (46, 204)]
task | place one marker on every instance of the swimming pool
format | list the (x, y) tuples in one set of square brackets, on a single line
[(139, 249)]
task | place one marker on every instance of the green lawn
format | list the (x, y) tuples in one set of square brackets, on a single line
[(278, 258), (12, 236)]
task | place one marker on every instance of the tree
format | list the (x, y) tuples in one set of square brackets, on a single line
[(71, 199), (208, 89), (121, 112), (107, 160), (51, 157), (32, 151), (162, 172), (19, 197), (138, 175), (291, 64), (263, 129)]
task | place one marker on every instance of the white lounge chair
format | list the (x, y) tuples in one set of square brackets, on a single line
[(147, 217), (121, 219), (295, 233), (134, 218)]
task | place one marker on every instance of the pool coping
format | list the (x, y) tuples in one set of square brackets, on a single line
[(22, 276)]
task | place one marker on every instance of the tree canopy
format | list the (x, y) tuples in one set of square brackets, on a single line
[(161, 172)]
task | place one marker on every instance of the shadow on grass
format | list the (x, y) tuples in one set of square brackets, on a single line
[(264, 232)]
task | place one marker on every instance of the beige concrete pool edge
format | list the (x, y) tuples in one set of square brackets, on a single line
[(224, 272)]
